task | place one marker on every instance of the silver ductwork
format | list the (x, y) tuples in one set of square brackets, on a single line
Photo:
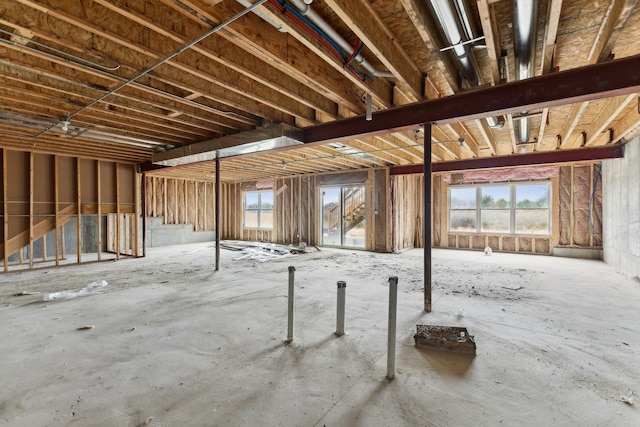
[(525, 24), (458, 30), (252, 141)]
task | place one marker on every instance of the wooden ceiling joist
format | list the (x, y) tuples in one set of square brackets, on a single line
[(118, 69)]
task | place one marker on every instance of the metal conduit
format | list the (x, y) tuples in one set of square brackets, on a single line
[(136, 84), (452, 19), (304, 6), (165, 59)]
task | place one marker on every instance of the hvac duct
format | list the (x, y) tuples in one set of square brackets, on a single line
[(252, 141), (459, 32), (525, 23)]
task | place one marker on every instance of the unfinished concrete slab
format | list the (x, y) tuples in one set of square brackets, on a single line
[(175, 343)]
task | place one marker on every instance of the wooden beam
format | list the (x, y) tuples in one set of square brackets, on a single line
[(607, 116), (550, 35), (543, 124), (487, 135), (571, 123), (274, 47), (491, 38), (367, 25), (627, 124), (426, 27), (613, 22)]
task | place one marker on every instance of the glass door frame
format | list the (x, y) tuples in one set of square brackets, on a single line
[(325, 232)]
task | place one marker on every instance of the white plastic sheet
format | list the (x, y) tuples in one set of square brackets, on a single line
[(90, 288)]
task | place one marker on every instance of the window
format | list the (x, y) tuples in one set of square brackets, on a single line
[(500, 208), (258, 209)]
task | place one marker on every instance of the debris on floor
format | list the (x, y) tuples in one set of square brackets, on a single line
[(450, 338), (85, 327), (260, 251), (75, 292), (24, 293), (628, 399)]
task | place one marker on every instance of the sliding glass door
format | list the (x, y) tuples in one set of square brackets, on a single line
[(343, 216)]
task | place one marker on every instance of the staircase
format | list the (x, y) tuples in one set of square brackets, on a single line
[(354, 205), (40, 228)]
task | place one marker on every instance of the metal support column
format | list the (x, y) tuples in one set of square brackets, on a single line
[(340, 308), (391, 334), (218, 186), (426, 218)]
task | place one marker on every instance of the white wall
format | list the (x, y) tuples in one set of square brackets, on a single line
[(621, 211)]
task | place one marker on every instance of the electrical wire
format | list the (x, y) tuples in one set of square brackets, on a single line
[(316, 32)]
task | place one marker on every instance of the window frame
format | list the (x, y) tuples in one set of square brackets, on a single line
[(259, 210), (513, 208)]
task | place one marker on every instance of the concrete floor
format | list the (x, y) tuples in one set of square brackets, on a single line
[(175, 344)]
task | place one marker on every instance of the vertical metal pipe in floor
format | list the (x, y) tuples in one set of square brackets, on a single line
[(218, 187), (340, 308), (426, 216), (391, 334), (292, 269), (144, 214)]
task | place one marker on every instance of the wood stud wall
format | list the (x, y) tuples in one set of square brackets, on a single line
[(296, 207), (180, 201), (43, 192), (572, 192)]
